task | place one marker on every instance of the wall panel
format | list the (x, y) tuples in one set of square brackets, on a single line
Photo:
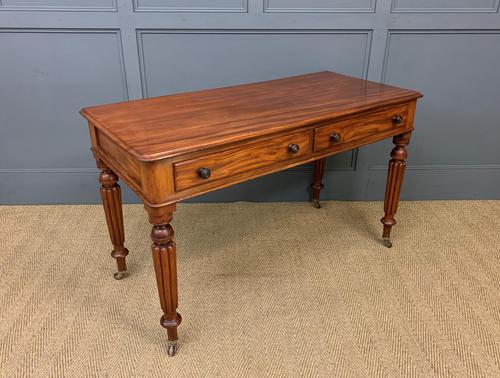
[(170, 61), (174, 61), (459, 111), (58, 5), (46, 76), (191, 5), (444, 6), (319, 5)]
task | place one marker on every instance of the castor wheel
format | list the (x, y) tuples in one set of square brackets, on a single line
[(119, 275), (387, 242), (172, 349), (316, 204)]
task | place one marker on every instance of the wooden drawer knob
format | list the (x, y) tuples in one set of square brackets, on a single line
[(204, 173), (397, 120), (334, 137), (293, 148)]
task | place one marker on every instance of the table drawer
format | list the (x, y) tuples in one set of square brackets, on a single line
[(348, 130), (218, 165)]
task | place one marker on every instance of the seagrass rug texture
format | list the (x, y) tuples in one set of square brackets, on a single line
[(266, 290)]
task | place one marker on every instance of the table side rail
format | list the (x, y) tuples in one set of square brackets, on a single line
[(154, 182)]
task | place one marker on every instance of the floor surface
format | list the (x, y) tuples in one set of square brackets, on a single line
[(266, 290)]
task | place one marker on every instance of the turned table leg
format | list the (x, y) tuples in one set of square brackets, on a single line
[(165, 264), (317, 185), (395, 175), (112, 203)]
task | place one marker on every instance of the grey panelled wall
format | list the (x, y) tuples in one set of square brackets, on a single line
[(58, 56)]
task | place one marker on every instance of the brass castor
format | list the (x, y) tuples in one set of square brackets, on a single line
[(172, 349), (316, 204), (119, 275), (388, 242)]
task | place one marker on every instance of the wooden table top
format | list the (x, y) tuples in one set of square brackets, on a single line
[(166, 126)]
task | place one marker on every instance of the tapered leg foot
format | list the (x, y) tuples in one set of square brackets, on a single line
[(164, 258), (317, 185), (397, 166), (171, 348), (112, 203), (388, 242), (119, 275)]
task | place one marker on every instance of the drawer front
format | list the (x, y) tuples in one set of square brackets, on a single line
[(215, 166), (360, 127)]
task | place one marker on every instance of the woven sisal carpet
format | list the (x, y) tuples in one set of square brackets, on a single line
[(279, 290)]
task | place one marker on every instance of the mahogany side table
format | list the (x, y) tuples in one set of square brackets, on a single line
[(170, 148)]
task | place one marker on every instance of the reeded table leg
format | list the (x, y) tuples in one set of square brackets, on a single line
[(395, 175), (165, 265), (317, 185), (112, 202)]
